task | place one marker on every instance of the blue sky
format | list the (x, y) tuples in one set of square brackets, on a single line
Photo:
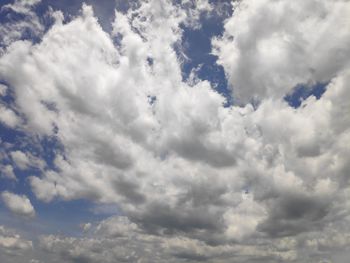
[(174, 131)]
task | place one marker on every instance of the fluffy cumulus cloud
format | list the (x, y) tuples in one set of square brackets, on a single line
[(193, 179), (20, 205), (271, 46), (13, 246)]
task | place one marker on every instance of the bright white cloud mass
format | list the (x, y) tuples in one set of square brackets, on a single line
[(18, 204), (109, 118)]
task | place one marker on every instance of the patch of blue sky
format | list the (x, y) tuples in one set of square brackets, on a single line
[(53, 216), (197, 48), (9, 16), (50, 217), (103, 9), (302, 92), (56, 217)]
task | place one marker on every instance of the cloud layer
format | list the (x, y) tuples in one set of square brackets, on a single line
[(193, 180)]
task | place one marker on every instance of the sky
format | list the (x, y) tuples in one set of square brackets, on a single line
[(152, 131)]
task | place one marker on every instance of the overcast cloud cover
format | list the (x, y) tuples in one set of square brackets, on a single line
[(115, 148)]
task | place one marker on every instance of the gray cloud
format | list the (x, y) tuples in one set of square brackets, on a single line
[(295, 213)]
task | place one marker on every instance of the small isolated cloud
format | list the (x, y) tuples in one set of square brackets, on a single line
[(18, 204)]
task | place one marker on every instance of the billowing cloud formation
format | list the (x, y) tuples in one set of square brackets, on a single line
[(194, 180), (121, 240), (12, 245), (271, 46), (18, 204)]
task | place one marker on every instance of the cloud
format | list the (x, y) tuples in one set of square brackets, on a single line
[(191, 179), (20, 159), (295, 213), (10, 241), (18, 204), (14, 246), (26, 160), (8, 117), (118, 238), (7, 172), (266, 52), (13, 29), (194, 10)]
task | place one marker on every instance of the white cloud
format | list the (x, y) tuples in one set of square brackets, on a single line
[(194, 11), (186, 132), (8, 117), (118, 226), (269, 47), (26, 160), (18, 204), (12, 31), (20, 159), (13, 246), (12, 241), (169, 155), (85, 226), (3, 90), (7, 172)]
